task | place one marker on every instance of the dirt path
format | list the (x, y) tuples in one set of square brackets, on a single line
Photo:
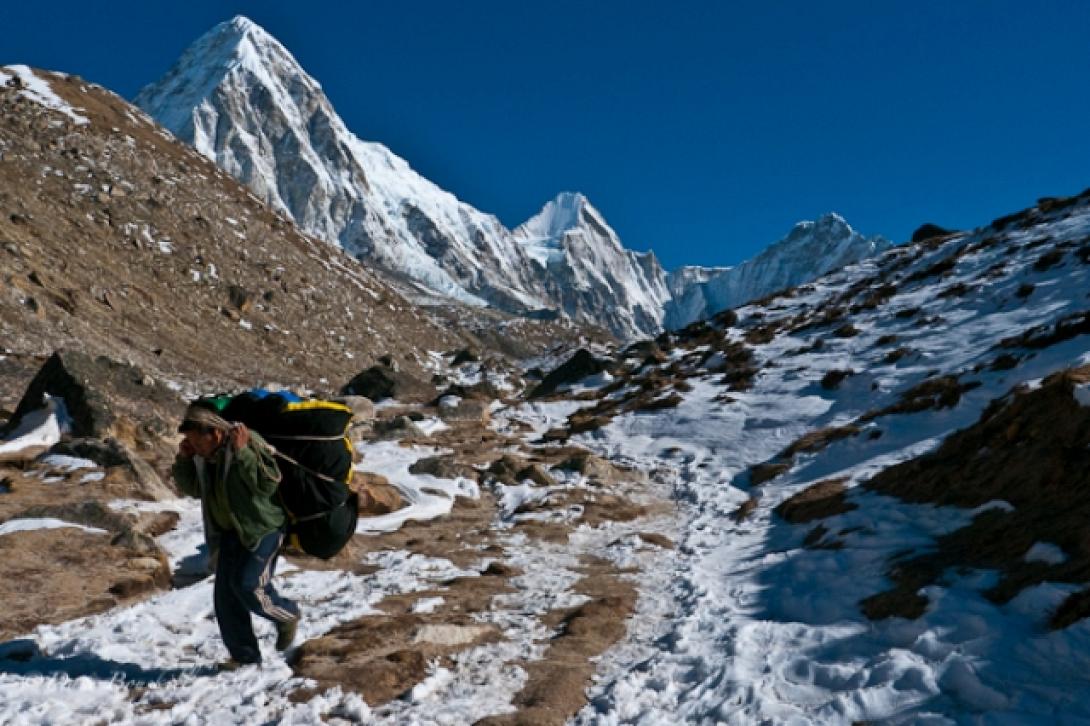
[(579, 510)]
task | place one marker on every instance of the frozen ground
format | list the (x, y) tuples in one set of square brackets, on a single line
[(155, 662)]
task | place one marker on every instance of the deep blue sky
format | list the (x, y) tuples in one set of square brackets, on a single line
[(703, 130)]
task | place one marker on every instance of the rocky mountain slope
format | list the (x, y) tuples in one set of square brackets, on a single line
[(881, 474), (240, 98), (858, 500)]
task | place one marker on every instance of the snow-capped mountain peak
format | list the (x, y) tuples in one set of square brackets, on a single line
[(240, 98), (203, 66), (571, 240), (810, 249), (243, 100), (542, 235), (557, 216)]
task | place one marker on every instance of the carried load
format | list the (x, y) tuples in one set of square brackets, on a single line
[(310, 438)]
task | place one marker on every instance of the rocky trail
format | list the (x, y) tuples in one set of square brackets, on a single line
[(486, 557)]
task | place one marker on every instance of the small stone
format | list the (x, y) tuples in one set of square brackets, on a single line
[(145, 564)]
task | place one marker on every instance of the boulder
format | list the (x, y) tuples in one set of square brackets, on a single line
[(466, 410), (89, 512), (513, 470), (363, 416), (536, 474), (377, 495), (506, 469), (575, 369), (444, 467), (96, 392), (465, 355), (483, 391), (642, 349), (381, 382), (363, 410), (399, 427), (146, 483), (594, 467)]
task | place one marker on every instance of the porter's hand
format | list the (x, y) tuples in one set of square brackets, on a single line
[(239, 436)]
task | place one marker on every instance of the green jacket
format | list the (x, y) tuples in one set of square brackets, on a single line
[(237, 490)]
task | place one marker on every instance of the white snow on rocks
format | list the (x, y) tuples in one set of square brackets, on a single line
[(1045, 552), (37, 430), (426, 496)]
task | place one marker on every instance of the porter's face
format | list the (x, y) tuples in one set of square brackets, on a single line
[(205, 441)]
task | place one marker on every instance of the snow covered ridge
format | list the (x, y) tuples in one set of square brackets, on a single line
[(810, 250), (241, 99)]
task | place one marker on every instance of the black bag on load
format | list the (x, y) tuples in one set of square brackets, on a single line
[(311, 442)]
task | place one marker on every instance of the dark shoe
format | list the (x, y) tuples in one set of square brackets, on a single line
[(233, 665), (285, 634)]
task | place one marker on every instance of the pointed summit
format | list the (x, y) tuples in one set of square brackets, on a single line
[(558, 216), (563, 221), (241, 99), (234, 55), (574, 245), (810, 249), (827, 225)]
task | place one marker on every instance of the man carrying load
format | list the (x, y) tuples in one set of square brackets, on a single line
[(233, 472)]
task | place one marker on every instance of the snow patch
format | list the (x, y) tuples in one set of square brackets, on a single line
[(31, 524), (38, 90)]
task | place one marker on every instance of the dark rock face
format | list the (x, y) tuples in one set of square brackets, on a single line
[(381, 382), (578, 367), (927, 231), (92, 389), (465, 355)]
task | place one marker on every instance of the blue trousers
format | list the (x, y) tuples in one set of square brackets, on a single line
[(244, 585)]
